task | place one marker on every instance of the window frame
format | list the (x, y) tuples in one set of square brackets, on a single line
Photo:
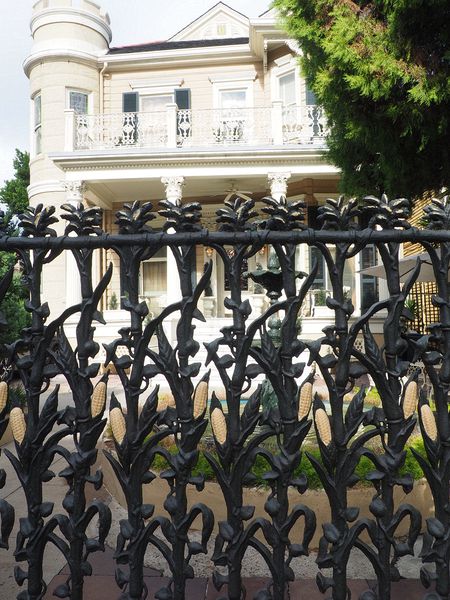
[(153, 259), (37, 124), (281, 70), (155, 95), (164, 89), (236, 85), (86, 93)]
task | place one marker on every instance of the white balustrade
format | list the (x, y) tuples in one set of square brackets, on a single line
[(262, 126), (315, 123)]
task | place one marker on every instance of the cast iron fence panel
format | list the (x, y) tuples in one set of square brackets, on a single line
[(245, 349)]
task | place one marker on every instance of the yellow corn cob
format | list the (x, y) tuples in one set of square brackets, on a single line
[(219, 425), (200, 398), (3, 395), (165, 401), (118, 424), (305, 400), (98, 398), (410, 399), (323, 426), (18, 425), (428, 422)]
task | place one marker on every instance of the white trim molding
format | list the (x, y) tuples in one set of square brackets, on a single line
[(155, 87), (235, 76), (60, 54), (48, 186)]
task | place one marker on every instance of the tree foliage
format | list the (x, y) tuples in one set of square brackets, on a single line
[(13, 305), (381, 70), (14, 192), (14, 195)]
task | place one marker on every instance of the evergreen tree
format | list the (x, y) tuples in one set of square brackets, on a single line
[(381, 70), (14, 192), (14, 197)]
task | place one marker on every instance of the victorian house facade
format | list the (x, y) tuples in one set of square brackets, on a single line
[(220, 107)]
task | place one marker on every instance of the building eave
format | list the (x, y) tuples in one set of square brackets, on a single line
[(206, 55), (96, 162)]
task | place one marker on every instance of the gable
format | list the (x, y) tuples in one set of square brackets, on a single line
[(220, 21)]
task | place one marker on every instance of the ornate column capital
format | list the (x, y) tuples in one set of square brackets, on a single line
[(173, 187), (278, 184), (75, 190)]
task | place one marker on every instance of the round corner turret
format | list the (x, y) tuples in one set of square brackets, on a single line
[(68, 29)]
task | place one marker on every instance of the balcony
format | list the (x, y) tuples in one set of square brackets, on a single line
[(173, 128)]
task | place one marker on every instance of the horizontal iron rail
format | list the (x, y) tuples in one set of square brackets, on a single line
[(206, 237)]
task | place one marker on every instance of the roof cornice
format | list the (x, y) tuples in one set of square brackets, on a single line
[(59, 55), (209, 54)]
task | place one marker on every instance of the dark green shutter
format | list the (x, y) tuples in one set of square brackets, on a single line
[(183, 98), (183, 102), (130, 102)]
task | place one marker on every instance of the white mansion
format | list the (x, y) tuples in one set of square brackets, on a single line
[(221, 106)]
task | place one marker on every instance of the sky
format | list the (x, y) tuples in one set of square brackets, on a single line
[(132, 21)]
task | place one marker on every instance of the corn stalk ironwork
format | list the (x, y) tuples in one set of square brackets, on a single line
[(243, 352)]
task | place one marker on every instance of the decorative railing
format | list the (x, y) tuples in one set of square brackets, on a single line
[(262, 126), (142, 351), (231, 126), (121, 130)]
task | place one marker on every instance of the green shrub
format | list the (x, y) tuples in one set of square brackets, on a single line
[(261, 466)]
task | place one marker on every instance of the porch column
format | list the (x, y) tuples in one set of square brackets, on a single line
[(278, 189), (75, 191), (173, 187), (278, 184)]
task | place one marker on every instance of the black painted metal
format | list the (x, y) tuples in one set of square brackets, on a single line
[(243, 350)]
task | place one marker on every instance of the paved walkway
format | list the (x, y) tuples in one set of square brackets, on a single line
[(101, 585)]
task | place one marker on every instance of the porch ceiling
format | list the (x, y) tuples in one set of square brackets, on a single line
[(213, 189)]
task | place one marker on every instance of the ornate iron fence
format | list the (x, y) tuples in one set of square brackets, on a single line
[(242, 351)]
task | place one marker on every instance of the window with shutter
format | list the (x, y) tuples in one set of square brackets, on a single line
[(130, 102), (130, 119), (184, 121)]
